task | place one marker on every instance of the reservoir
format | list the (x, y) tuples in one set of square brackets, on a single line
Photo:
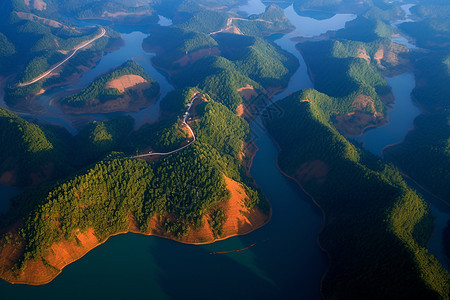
[(285, 261)]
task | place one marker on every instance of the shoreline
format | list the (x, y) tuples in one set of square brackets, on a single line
[(155, 229), (324, 216), (103, 107), (136, 231)]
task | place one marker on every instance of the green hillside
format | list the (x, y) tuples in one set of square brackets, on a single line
[(26, 148), (97, 90), (375, 225), (260, 60), (218, 77)]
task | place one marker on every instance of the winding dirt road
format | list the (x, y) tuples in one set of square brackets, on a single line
[(45, 74), (184, 123)]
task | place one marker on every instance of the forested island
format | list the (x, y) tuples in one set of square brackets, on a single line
[(125, 88)]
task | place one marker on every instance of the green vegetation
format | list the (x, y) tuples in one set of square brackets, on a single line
[(372, 216), (428, 147), (218, 77), (193, 6), (176, 43), (7, 52), (326, 5), (97, 139), (356, 76), (175, 102), (46, 152), (37, 38), (163, 136), (86, 9), (432, 31), (27, 148), (40, 60), (337, 6), (269, 22), (205, 21), (218, 218), (388, 14), (446, 238), (365, 30), (328, 58), (260, 60), (181, 189), (221, 128), (97, 91)]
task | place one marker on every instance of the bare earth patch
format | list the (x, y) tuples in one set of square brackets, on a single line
[(355, 123), (363, 54), (125, 82), (239, 220), (240, 110), (379, 55), (247, 92), (362, 102), (123, 102), (233, 29)]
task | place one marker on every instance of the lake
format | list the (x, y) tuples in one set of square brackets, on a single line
[(286, 261)]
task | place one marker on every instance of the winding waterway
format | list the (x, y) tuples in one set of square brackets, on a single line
[(286, 260), (401, 121)]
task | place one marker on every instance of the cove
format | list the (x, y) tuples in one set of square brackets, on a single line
[(401, 116)]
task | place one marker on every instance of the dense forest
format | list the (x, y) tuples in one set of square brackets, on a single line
[(42, 57), (98, 91), (173, 43), (27, 149), (375, 226), (238, 61), (218, 77), (33, 40), (186, 185), (269, 22), (432, 30), (260, 60)]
